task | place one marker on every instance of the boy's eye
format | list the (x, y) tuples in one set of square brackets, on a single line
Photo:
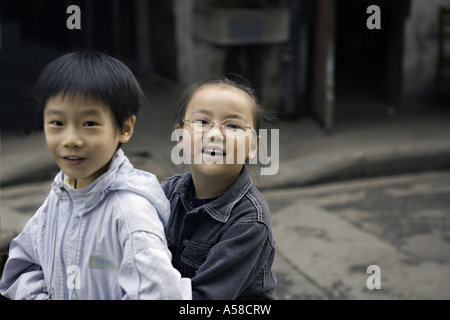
[(90, 124), (56, 123)]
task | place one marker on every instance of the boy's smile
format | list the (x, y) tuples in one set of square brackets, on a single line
[(74, 160), (82, 136)]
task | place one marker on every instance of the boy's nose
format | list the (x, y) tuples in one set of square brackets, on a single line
[(72, 139)]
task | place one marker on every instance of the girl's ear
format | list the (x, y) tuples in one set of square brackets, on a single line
[(127, 129), (180, 137), (254, 146)]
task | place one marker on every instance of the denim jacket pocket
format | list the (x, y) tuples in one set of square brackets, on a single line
[(194, 255)]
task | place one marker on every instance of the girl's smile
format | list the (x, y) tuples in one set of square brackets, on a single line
[(218, 120), (214, 151)]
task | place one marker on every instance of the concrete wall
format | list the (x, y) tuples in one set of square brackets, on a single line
[(195, 60), (420, 49), (199, 60)]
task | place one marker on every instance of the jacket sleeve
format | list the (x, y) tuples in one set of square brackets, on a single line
[(146, 271), (233, 263), (23, 277)]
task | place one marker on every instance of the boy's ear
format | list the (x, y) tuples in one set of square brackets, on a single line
[(127, 129)]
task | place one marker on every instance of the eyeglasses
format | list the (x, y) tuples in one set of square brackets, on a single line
[(229, 127)]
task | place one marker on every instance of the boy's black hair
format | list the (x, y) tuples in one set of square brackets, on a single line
[(91, 74)]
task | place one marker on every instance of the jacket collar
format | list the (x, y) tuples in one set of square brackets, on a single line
[(95, 192), (221, 207)]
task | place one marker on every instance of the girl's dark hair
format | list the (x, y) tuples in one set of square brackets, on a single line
[(94, 75), (263, 117)]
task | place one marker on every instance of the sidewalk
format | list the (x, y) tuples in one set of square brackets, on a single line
[(372, 143)]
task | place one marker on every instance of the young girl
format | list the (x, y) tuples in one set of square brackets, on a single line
[(99, 233), (219, 231)]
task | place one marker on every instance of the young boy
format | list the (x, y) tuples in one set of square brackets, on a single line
[(100, 232)]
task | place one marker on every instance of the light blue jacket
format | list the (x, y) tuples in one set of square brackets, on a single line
[(105, 241)]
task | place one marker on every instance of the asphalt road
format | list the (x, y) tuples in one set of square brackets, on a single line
[(328, 235)]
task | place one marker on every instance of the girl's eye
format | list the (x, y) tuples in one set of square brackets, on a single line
[(56, 123), (90, 124), (200, 122), (233, 126)]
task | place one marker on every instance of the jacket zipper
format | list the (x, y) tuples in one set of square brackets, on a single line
[(51, 290), (60, 195), (61, 248)]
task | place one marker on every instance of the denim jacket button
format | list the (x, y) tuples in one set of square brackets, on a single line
[(185, 242)]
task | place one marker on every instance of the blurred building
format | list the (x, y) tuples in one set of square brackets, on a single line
[(305, 56)]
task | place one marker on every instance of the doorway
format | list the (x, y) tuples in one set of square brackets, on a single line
[(367, 63), (360, 52)]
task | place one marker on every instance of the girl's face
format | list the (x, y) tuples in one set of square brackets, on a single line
[(82, 136), (217, 152)]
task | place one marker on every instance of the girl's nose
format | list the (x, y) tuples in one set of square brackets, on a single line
[(215, 133)]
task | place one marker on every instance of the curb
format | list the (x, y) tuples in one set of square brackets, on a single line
[(316, 169), (297, 172)]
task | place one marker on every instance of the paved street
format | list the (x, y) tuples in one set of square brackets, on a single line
[(328, 235)]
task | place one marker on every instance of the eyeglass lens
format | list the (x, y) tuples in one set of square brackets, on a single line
[(231, 127)]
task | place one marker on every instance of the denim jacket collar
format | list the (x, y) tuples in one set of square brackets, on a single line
[(220, 208)]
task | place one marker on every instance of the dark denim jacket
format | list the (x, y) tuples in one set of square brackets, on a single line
[(225, 246)]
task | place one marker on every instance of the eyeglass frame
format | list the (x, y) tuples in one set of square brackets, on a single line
[(222, 127)]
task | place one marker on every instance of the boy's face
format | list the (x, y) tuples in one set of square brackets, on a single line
[(82, 136)]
